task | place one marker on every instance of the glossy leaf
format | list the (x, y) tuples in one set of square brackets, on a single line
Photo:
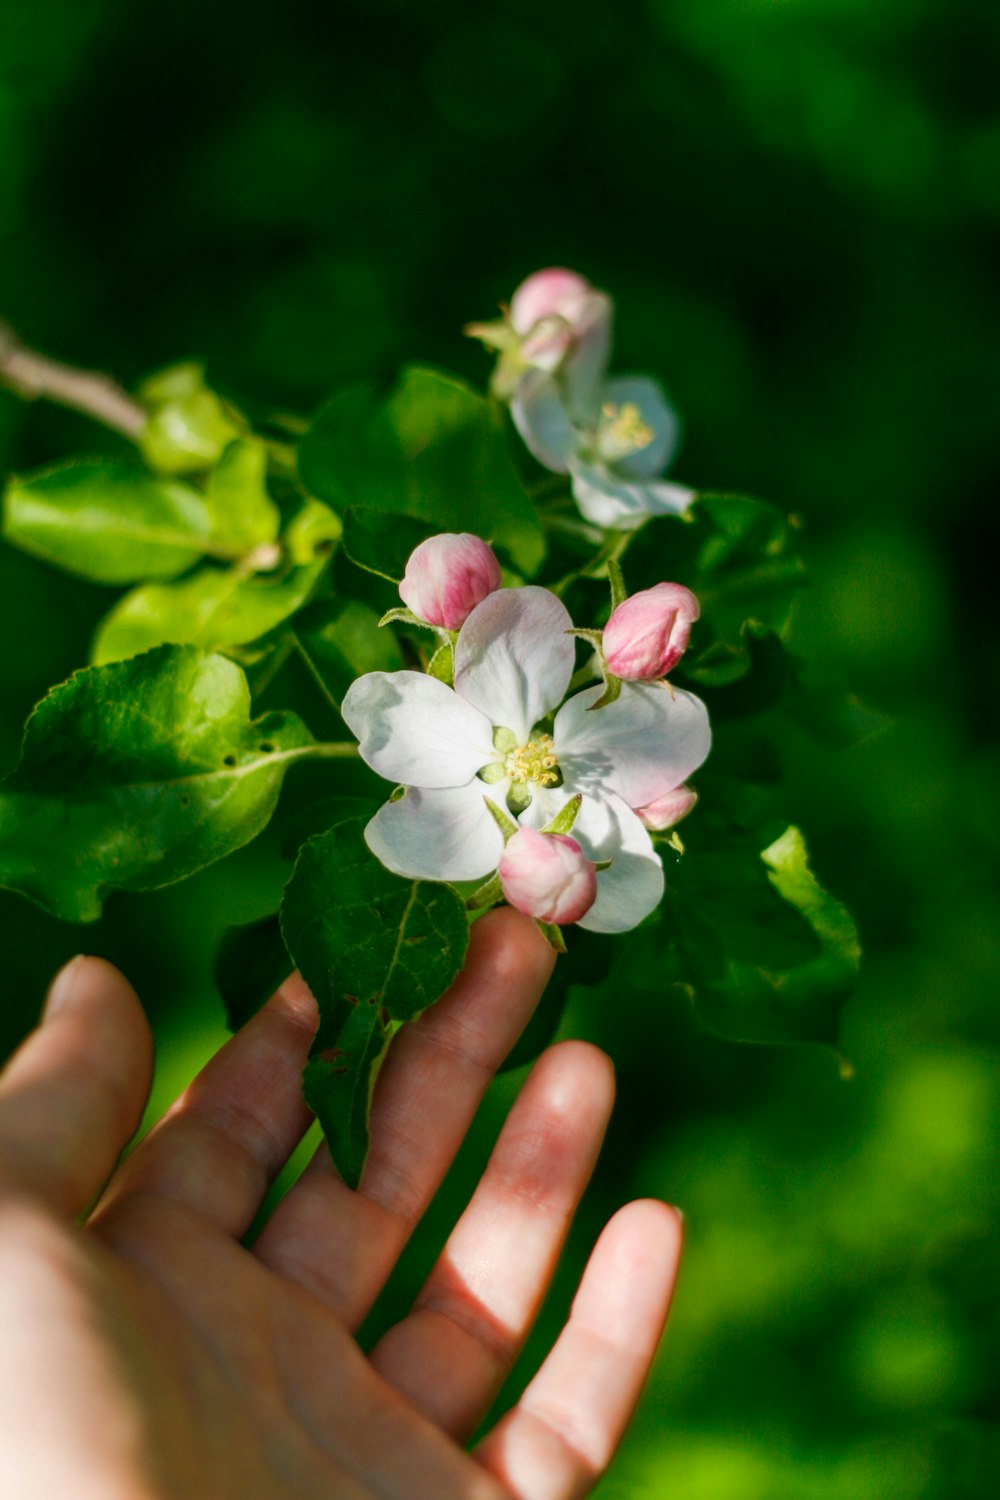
[(340, 639), (108, 520), (339, 1078), (243, 514), (771, 955), (381, 543), (433, 449), (216, 608), (374, 949), (740, 556), (136, 774), (189, 425)]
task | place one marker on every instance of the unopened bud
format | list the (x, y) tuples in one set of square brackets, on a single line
[(547, 876), (664, 812), (554, 293), (648, 634), (447, 576)]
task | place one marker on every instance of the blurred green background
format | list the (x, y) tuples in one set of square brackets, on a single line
[(797, 206)]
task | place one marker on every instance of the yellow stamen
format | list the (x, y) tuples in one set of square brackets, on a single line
[(623, 429), (535, 761)]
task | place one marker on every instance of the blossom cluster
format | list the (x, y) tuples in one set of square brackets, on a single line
[(614, 436), (509, 776)]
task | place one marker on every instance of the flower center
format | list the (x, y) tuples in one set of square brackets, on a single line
[(535, 761), (622, 430)]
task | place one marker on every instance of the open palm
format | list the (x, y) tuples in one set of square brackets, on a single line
[(148, 1353)]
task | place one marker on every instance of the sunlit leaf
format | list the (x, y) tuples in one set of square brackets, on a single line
[(217, 608), (107, 520), (135, 774), (243, 514)]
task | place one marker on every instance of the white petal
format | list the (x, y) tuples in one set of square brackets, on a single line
[(657, 412), (633, 885), (584, 368), (513, 658), (541, 418), (641, 746), (415, 730), (447, 834), (614, 503)]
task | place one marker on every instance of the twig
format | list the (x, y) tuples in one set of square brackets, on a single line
[(33, 375)]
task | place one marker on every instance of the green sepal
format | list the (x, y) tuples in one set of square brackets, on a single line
[(488, 894), (552, 934), (565, 817), (442, 665), (400, 615), (612, 690), (504, 822), (617, 582)]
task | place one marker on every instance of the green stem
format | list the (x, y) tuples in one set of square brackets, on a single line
[(333, 750)]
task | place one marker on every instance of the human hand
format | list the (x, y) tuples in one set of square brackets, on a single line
[(147, 1354)]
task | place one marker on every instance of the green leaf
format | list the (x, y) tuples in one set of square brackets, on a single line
[(339, 1078), (771, 955), (381, 543), (136, 774), (318, 816), (188, 426), (752, 671), (739, 555), (373, 949), (243, 514), (821, 700), (433, 449), (339, 639), (216, 608), (108, 521), (251, 964)]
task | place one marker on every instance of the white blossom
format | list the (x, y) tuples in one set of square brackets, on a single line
[(454, 748), (615, 448)]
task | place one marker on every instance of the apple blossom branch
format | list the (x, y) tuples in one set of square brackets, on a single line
[(32, 375)]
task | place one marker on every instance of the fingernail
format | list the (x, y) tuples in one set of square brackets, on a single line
[(63, 987)]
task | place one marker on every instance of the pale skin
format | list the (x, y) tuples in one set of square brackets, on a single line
[(147, 1354)]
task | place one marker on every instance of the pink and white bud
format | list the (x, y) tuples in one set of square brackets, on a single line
[(648, 633), (547, 876), (555, 293), (666, 811), (447, 576)]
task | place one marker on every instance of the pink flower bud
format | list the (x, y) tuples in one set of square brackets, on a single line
[(546, 294), (447, 576), (547, 876), (648, 634), (663, 812)]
